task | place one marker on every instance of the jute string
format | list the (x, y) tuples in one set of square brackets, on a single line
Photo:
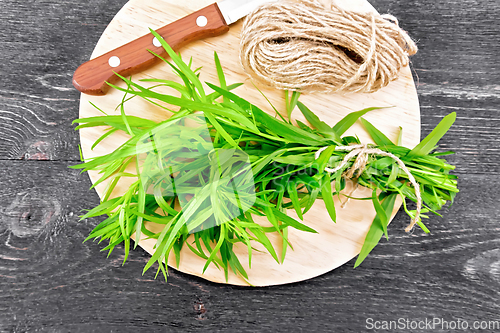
[(363, 152), (301, 45)]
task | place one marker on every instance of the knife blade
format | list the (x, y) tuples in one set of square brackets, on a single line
[(133, 57)]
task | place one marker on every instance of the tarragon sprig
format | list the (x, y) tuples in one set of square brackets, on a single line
[(281, 158)]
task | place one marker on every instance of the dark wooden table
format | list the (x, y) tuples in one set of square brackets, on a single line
[(51, 282)]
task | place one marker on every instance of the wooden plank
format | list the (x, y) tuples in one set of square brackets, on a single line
[(38, 79), (457, 69), (50, 281), (450, 274), (42, 44)]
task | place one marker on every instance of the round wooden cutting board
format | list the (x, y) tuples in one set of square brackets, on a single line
[(313, 254)]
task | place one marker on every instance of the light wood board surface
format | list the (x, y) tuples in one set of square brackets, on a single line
[(313, 254)]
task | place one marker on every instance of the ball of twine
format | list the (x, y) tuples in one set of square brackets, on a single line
[(300, 45)]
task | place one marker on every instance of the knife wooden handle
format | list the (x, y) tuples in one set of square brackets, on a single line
[(91, 77)]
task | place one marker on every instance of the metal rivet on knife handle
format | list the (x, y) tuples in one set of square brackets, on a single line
[(201, 21), (156, 42), (114, 61)]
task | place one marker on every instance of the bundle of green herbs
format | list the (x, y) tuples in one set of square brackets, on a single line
[(220, 160)]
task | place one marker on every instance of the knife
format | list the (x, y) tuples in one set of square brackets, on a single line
[(213, 20)]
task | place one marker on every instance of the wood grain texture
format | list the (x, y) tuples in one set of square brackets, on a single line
[(53, 282), (58, 284), (314, 253)]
